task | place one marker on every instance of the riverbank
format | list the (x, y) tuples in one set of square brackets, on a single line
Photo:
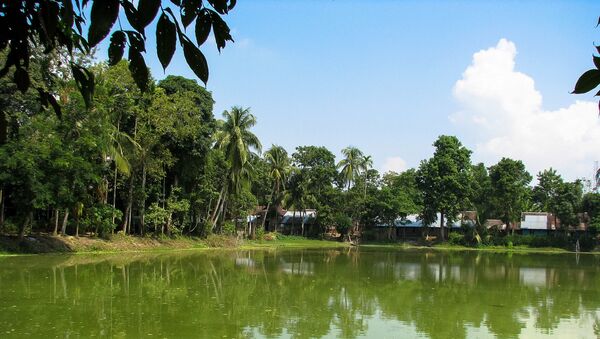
[(119, 243), (451, 247), (47, 243)]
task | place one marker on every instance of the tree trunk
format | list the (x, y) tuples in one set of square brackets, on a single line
[(217, 206), (293, 222), (27, 222), (302, 226), (77, 228), (127, 221), (63, 229), (267, 210), (114, 200), (442, 225), (143, 203), (56, 216)]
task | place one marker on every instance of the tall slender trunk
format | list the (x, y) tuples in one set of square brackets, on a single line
[(262, 225), (56, 216), (217, 206), (127, 222), (63, 229), (25, 224), (302, 226), (143, 202), (114, 202), (442, 225), (293, 222)]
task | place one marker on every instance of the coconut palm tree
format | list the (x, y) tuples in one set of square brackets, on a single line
[(279, 168), (297, 197), (351, 164), (238, 144), (365, 165)]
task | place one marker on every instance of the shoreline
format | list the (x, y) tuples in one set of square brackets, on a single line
[(45, 244)]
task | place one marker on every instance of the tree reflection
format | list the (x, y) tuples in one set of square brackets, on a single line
[(302, 294)]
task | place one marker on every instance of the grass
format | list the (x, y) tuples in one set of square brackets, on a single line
[(119, 243), (452, 247)]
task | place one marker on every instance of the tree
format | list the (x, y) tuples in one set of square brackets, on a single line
[(546, 191), (510, 189), (238, 143), (59, 24), (567, 203), (444, 180), (481, 188), (279, 168), (351, 165)]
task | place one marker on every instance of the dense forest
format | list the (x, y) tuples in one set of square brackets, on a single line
[(160, 162)]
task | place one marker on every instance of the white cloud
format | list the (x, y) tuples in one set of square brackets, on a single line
[(394, 164), (503, 112)]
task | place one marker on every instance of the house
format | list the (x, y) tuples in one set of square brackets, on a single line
[(536, 223), (412, 225)]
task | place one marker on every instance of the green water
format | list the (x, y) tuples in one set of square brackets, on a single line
[(301, 293)]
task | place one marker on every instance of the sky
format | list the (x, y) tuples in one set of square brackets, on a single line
[(389, 77)]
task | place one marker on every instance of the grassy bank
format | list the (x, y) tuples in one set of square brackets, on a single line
[(453, 247), (46, 243)]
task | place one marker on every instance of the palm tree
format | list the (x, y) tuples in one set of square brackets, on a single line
[(365, 165), (279, 167), (351, 164), (237, 142)]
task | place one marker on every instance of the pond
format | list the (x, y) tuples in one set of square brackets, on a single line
[(347, 293)]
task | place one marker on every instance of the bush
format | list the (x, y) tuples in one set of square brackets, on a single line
[(100, 218), (156, 217), (260, 233), (455, 238), (270, 236), (229, 228), (206, 228), (215, 240)]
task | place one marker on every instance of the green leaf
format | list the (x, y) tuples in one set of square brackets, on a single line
[(103, 16), (85, 82), (188, 11), (21, 78), (221, 6), (116, 48), (597, 61), (47, 98), (147, 10), (136, 41), (132, 16), (588, 81), (138, 69), (221, 30), (196, 60), (203, 24), (166, 40)]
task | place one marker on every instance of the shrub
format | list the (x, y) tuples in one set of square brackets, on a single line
[(215, 240), (270, 236), (228, 228), (100, 218), (260, 233), (156, 217), (455, 238)]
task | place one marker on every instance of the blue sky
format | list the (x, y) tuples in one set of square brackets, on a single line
[(382, 75)]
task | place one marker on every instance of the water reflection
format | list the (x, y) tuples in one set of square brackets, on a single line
[(310, 293)]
